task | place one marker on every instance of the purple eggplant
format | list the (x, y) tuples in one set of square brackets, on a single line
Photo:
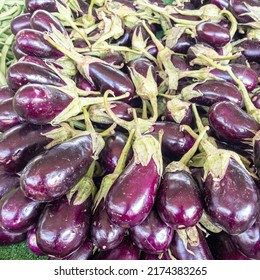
[(247, 75), (104, 234), (151, 48), (124, 251), (183, 44), (8, 117), (131, 197), (32, 42), (52, 174), (180, 63), (178, 202), (251, 50), (40, 104), (256, 100), (152, 235), (213, 91), (196, 248), (5, 93), (240, 9), (17, 212), (21, 144), (8, 181), (114, 59), (32, 242), (113, 148), (213, 34), (231, 123), (125, 39), (20, 22), (223, 248), (22, 73), (63, 227), (8, 238), (42, 20), (220, 3), (48, 5), (83, 84), (17, 52)]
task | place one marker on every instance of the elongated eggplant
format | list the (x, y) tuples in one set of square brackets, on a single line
[(40, 104), (196, 247), (8, 181), (20, 22), (8, 117), (83, 84), (43, 20), (52, 174), (22, 73), (251, 50), (5, 93), (241, 10), (114, 59), (17, 212), (180, 63), (21, 144), (8, 238), (104, 234), (183, 44), (152, 235), (17, 52), (63, 227), (231, 123), (124, 251), (32, 42), (32, 242), (213, 91), (48, 5)]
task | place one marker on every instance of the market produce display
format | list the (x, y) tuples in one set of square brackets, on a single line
[(130, 130)]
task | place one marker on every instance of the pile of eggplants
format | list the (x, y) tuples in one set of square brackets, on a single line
[(131, 130)]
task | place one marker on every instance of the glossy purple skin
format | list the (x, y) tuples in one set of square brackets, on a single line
[(238, 8), (20, 22), (125, 39), (141, 65), (106, 77), (175, 143), (213, 34), (251, 50), (21, 144), (256, 100), (17, 52), (32, 243), (131, 197), (124, 251), (8, 117), (23, 73), (104, 234), (40, 104), (63, 227), (165, 256), (114, 58), (83, 84), (17, 212), (232, 203), (40, 62), (33, 5), (151, 48), (186, 120), (5, 93), (256, 67), (256, 153), (152, 235), (178, 203), (183, 44), (32, 42), (52, 174), (180, 63), (8, 238), (215, 91), (42, 20), (247, 75), (223, 248), (201, 252), (8, 181), (220, 3), (113, 148), (231, 123), (186, 17)]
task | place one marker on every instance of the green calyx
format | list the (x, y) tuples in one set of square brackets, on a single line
[(178, 109), (189, 236)]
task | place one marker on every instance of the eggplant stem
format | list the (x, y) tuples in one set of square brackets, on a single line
[(89, 126), (109, 131), (144, 112), (78, 124), (158, 44), (197, 117), (233, 21), (91, 169)]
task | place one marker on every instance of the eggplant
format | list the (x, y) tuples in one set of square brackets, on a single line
[(43, 20), (48, 5), (8, 238), (21, 144), (196, 248), (179, 111), (183, 44), (32, 42), (231, 123), (8, 117), (256, 152), (220, 3), (5, 93), (125, 39), (32, 242), (124, 251), (17, 52), (63, 227), (251, 50), (213, 91), (8, 181), (83, 84), (104, 234), (114, 59), (240, 9), (22, 73), (113, 148), (152, 236), (21, 22), (179, 63), (52, 174), (17, 212), (256, 100), (213, 34), (40, 104)]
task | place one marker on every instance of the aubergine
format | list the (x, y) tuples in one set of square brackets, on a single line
[(8, 181)]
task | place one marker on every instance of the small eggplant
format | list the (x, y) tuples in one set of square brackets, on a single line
[(256, 100), (220, 3), (32, 242), (5, 93), (180, 63), (114, 58), (152, 236), (183, 44), (17, 52), (179, 111), (17, 212), (251, 50), (8, 238), (83, 84), (241, 9), (20, 22), (63, 227), (8, 181), (48, 5)]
